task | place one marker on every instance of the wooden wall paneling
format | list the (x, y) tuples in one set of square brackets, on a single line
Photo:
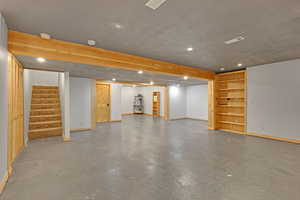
[(32, 45), (16, 110)]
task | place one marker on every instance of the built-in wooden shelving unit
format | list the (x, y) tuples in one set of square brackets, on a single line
[(231, 98)]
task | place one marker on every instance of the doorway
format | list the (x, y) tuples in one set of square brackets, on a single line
[(102, 102), (156, 104)]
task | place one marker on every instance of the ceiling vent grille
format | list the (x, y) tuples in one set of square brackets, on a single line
[(234, 40), (154, 4)]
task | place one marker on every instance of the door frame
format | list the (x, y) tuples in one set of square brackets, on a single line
[(95, 103)]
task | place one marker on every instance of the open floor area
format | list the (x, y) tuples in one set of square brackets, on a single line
[(143, 158)]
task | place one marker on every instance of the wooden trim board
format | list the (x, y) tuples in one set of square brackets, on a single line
[(273, 138), (115, 121), (179, 118), (67, 139), (124, 114), (80, 129), (200, 119), (3, 182), (32, 45)]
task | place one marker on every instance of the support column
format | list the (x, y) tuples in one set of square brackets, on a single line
[(166, 103), (211, 105), (64, 86)]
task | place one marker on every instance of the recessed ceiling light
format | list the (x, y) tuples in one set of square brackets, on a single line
[(91, 42), (140, 72), (113, 79), (185, 77), (190, 49), (240, 64), (154, 4), (151, 82), (118, 26), (234, 40), (222, 68), (40, 59), (45, 36)]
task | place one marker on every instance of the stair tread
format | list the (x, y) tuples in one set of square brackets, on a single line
[(44, 104), (44, 95), (48, 109), (45, 98), (46, 122), (46, 115), (54, 86), (43, 86), (45, 129)]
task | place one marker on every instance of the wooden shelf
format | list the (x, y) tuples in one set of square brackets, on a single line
[(232, 89), (231, 80), (231, 101), (231, 114), (232, 106), (234, 123), (230, 97)]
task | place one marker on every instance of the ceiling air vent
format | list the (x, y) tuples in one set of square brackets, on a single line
[(234, 40), (154, 4)]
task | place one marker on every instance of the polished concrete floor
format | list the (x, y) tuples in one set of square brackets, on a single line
[(143, 159)]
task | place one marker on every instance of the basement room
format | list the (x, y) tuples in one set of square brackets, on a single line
[(151, 100)]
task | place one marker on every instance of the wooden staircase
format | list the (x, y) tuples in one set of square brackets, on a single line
[(45, 115)]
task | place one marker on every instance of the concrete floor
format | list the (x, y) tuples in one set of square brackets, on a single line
[(143, 159)]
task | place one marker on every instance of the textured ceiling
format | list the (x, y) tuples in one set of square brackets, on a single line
[(106, 73), (271, 28)]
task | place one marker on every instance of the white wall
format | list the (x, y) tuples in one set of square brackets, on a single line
[(43, 77), (177, 102), (128, 93), (197, 102), (35, 77), (3, 98), (116, 103), (273, 99), (80, 100)]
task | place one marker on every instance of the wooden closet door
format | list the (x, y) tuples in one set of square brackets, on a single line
[(16, 110), (102, 103)]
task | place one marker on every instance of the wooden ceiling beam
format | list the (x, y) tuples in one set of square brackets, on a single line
[(131, 83), (32, 45)]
